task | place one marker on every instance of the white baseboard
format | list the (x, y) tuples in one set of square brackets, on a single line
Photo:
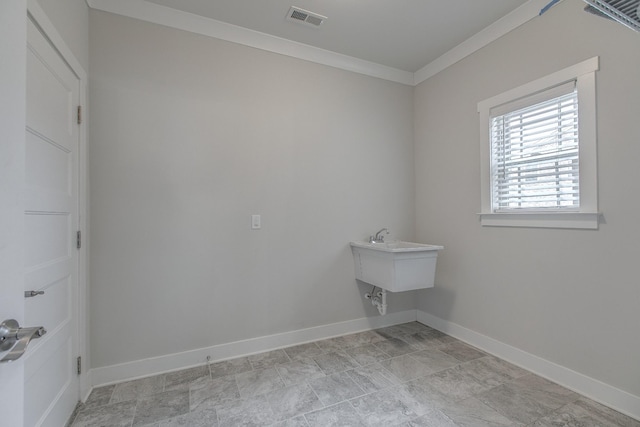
[(606, 394), (86, 385), (172, 362)]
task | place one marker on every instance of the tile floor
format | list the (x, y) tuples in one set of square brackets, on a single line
[(404, 375)]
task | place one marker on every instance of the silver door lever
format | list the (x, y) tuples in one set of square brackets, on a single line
[(30, 294), (13, 337)]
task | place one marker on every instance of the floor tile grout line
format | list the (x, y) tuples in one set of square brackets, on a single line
[(135, 411), (316, 394), (280, 376)]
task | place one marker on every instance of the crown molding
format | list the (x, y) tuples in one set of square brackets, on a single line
[(41, 19), (173, 18), (151, 12), (493, 32)]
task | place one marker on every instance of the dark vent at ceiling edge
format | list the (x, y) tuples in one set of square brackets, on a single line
[(305, 17)]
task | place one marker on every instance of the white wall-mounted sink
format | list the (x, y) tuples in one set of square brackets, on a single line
[(396, 266)]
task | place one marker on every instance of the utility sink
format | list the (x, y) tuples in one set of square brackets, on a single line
[(395, 266)]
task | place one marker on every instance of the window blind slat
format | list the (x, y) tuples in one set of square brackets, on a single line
[(518, 181), (517, 161), (517, 196), (540, 191), (521, 120), (521, 136)]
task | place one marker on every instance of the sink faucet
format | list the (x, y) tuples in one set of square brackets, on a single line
[(378, 237)]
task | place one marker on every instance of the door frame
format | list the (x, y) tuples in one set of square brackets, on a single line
[(35, 12), (13, 49)]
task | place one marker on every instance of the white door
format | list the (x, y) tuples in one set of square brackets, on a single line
[(51, 388)]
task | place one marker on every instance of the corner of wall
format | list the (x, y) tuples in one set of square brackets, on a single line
[(606, 394)]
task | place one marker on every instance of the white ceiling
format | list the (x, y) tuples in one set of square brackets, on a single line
[(403, 34)]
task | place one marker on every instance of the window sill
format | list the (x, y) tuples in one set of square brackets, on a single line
[(574, 220)]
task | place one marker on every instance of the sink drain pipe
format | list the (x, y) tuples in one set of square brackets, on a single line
[(378, 300)]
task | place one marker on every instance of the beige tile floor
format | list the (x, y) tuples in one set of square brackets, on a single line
[(404, 375)]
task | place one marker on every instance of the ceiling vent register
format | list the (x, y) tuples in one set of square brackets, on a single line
[(305, 17), (627, 12)]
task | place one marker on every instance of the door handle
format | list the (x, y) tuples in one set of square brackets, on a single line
[(30, 294), (15, 338)]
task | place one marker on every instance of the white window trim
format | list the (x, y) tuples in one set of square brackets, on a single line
[(587, 217)]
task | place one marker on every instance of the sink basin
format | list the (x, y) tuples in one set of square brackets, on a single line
[(396, 246), (396, 266)]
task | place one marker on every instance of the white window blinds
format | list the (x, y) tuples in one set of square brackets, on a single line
[(535, 152)]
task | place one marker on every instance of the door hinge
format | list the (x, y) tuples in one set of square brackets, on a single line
[(79, 114), (78, 239), (79, 364)]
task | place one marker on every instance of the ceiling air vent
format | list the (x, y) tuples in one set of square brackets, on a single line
[(305, 17), (627, 12)]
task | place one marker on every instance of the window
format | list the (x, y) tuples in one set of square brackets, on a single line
[(534, 155), (539, 152)]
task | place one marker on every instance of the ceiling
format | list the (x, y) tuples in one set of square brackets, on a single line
[(402, 34)]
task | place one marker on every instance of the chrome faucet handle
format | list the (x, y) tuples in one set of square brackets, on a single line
[(379, 237)]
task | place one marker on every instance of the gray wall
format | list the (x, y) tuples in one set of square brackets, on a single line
[(569, 296), (189, 137)]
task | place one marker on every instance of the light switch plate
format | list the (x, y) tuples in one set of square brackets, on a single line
[(255, 222)]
